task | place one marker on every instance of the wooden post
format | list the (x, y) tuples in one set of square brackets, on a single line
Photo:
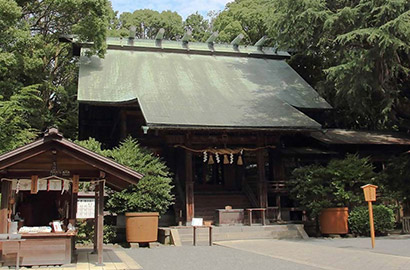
[(262, 184), (96, 211), (371, 223), (369, 191), (74, 198), (189, 187), (279, 216), (5, 194), (100, 231)]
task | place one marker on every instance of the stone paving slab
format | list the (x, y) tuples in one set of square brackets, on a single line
[(114, 259), (321, 256)]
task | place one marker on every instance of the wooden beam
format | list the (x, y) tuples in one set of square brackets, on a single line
[(100, 231), (189, 187), (22, 157), (5, 194)]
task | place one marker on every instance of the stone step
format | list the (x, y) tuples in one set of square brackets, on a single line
[(226, 233)]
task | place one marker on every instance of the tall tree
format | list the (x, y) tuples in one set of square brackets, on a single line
[(358, 52), (38, 73), (243, 16), (148, 22), (199, 26)]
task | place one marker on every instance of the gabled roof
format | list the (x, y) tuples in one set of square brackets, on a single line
[(187, 89), (117, 175)]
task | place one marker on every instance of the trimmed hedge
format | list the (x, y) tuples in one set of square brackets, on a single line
[(383, 220)]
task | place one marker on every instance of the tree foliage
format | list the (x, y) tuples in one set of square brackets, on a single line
[(337, 184), (199, 26), (153, 191), (148, 22), (396, 179), (362, 51), (38, 73), (247, 17)]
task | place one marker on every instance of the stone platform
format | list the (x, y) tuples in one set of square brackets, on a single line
[(183, 235)]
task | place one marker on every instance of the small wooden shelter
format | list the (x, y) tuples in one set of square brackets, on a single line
[(40, 183)]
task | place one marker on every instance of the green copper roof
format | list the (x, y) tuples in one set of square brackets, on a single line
[(195, 47), (192, 90)]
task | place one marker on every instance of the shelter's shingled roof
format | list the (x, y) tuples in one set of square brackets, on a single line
[(117, 175), (343, 137), (194, 87)]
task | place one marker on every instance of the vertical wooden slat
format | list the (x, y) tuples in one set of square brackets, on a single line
[(100, 231), (189, 187), (5, 194)]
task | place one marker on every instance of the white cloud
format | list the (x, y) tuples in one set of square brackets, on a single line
[(183, 7)]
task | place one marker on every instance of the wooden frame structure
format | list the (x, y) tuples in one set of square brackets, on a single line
[(43, 158)]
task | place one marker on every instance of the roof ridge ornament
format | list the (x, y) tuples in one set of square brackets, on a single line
[(185, 39), (159, 37), (211, 40), (236, 41), (259, 44), (53, 132)]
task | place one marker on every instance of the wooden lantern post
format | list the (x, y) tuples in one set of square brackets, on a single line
[(370, 196)]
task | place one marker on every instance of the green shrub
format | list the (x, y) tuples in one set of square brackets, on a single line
[(152, 193), (337, 184), (383, 220), (85, 233)]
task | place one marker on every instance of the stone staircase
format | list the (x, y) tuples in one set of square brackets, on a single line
[(184, 235), (207, 202)]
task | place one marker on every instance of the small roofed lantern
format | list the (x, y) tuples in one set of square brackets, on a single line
[(369, 192)]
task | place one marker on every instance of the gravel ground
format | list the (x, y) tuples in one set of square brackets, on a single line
[(281, 254), (205, 257), (394, 245)]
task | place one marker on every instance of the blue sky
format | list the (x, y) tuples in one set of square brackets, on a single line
[(183, 7)]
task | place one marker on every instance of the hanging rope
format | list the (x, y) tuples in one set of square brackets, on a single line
[(224, 151)]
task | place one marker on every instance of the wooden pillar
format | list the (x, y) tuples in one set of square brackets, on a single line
[(96, 211), (74, 198), (262, 184), (278, 173), (100, 221), (5, 194), (189, 187)]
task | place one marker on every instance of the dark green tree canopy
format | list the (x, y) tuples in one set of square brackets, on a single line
[(38, 74), (362, 51), (247, 17)]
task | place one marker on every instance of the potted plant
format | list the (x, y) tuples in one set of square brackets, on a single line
[(327, 192), (144, 202)]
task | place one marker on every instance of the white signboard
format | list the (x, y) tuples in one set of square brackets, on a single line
[(85, 208)]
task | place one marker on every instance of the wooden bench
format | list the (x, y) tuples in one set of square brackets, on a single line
[(261, 210)]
